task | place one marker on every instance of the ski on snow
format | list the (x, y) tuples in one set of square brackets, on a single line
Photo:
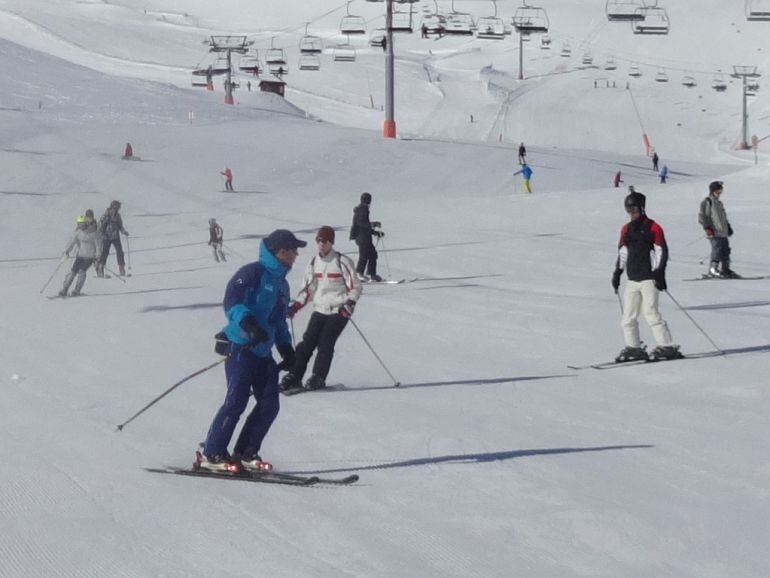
[(617, 364), (712, 278), (259, 477), (297, 390)]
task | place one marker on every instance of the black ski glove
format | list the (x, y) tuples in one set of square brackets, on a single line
[(347, 308), (253, 330), (660, 281), (286, 352), (729, 230), (616, 279), (221, 344)]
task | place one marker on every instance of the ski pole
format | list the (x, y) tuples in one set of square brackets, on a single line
[(395, 383), (385, 252), (620, 302), (111, 272), (682, 309), (293, 342), (233, 251), (165, 393), (61, 262), (128, 252)]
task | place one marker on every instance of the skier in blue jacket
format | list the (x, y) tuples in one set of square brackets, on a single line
[(256, 303), (526, 174)]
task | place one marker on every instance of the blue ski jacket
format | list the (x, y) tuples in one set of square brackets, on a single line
[(525, 172), (259, 289)]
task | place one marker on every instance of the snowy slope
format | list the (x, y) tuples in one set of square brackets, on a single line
[(493, 458)]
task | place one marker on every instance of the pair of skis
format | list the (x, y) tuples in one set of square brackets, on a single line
[(618, 364), (268, 477)]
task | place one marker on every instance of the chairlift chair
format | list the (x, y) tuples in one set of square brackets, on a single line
[(719, 83), (309, 62), (309, 44), (459, 23), (566, 50), (587, 58), (624, 10), (752, 86), (655, 21), (610, 64), (433, 23), (490, 28), (344, 52), (352, 24), (275, 56), (661, 76), (250, 63), (689, 81), (634, 71), (545, 42), (402, 21), (199, 81), (758, 10), (377, 38), (530, 20)]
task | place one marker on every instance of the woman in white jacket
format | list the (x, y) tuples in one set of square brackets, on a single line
[(330, 282), (86, 239)]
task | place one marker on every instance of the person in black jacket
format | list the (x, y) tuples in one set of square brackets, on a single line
[(643, 254), (361, 231)]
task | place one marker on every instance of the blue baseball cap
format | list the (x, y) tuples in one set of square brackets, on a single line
[(282, 239)]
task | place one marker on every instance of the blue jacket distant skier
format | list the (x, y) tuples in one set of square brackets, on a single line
[(256, 304), (526, 174), (663, 173)]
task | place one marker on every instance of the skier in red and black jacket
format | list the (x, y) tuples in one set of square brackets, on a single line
[(643, 254)]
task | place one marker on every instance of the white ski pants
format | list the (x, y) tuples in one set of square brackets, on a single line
[(642, 297)]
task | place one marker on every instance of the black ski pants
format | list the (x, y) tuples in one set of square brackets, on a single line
[(367, 258), (106, 251), (322, 333)]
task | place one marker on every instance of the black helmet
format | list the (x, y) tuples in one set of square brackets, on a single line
[(366, 198), (637, 200), (115, 205)]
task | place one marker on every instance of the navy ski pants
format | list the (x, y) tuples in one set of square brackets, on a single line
[(247, 375)]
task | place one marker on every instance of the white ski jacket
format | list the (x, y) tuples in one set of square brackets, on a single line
[(329, 281), (87, 242)]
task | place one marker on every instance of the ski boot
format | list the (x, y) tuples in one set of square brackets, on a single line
[(289, 381), (728, 273), (632, 354), (221, 464), (122, 270), (255, 463), (663, 352), (315, 382), (374, 278)]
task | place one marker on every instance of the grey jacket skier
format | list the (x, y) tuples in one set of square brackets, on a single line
[(86, 241), (713, 218), (110, 228)]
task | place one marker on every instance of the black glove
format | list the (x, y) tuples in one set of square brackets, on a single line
[(660, 281), (378, 234), (347, 308), (286, 352), (221, 344), (376, 224), (616, 279), (729, 230), (253, 330)]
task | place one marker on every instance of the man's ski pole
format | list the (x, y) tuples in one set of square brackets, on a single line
[(165, 393), (369, 345), (111, 272), (683, 310), (385, 252), (620, 302), (128, 253), (61, 262)]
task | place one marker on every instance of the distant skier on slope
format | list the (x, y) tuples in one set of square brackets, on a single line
[(643, 254), (109, 229), (86, 241), (128, 152), (361, 231), (522, 154), (616, 180), (713, 218), (216, 240), (526, 174), (256, 304), (655, 160), (228, 174), (331, 283), (663, 174)]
